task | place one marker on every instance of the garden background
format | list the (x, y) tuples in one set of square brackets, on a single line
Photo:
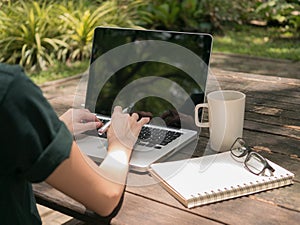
[(52, 39)]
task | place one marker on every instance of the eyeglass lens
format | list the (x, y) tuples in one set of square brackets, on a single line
[(239, 148), (255, 163)]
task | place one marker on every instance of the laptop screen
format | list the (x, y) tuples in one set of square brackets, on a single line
[(161, 74)]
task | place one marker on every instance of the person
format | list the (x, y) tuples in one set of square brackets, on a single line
[(38, 146)]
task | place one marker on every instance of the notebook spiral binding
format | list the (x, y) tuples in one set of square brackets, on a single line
[(233, 192)]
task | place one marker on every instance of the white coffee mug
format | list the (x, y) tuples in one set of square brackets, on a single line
[(225, 118)]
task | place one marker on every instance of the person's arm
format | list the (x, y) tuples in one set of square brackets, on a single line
[(100, 188)]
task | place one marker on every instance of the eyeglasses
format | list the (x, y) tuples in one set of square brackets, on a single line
[(253, 161)]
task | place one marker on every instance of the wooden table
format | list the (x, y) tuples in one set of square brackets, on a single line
[(272, 125)]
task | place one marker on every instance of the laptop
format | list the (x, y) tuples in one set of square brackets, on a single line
[(160, 74)]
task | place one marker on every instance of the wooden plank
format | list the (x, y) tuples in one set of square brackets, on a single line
[(139, 210), (150, 191), (250, 77), (286, 131), (268, 99), (282, 150), (290, 128), (277, 89), (256, 88), (276, 94), (267, 107), (253, 86), (56, 200), (264, 100), (259, 115), (235, 211), (286, 197), (263, 140), (62, 103), (248, 211), (269, 125), (270, 111), (50, 216), (273, 143)]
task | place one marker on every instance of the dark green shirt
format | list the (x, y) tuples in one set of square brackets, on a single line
[(33, 142)]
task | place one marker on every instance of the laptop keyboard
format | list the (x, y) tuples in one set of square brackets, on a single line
[(153, 137)]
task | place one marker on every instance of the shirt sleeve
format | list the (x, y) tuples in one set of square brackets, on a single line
[(33, 139)]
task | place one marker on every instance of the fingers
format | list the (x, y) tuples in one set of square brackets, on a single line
[(144, 121), (118, 109), (85, 115), (84, 120), (135, 116), (125, 128), (89, 126)]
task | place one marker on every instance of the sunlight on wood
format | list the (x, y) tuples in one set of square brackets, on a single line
[(51, 217), (267, 110)]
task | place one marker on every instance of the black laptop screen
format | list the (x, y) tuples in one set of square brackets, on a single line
[(161, 74)]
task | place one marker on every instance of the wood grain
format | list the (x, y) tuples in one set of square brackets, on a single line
[(272, 127)]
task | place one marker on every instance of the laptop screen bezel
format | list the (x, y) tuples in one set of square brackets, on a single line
[(206, 58)]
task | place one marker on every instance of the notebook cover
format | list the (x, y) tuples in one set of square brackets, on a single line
[(214, 178)]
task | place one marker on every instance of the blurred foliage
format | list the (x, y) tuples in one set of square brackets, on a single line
[(281, 13), (79, 20), (195, 15), (34, 33), (37, 33), (28, 34), (212, 15)]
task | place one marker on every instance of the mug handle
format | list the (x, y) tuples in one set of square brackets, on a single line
[(197, 107)]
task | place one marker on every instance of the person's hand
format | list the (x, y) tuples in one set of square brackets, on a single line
[(80, 120), (124, 129)]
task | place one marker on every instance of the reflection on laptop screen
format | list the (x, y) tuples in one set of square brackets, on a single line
[(161, 74)]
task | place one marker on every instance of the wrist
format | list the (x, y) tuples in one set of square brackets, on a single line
[(119, 152)]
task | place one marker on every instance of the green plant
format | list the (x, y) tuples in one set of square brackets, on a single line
[(28, 34), (195, 15), (281, 12), (34, 33), (127, 13), (177, 15), (79, 21), (165, 13)]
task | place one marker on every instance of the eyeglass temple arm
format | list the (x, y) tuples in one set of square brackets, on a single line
[(269, 167)]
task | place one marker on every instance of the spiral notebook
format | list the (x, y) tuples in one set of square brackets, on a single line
[(214, 178)]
